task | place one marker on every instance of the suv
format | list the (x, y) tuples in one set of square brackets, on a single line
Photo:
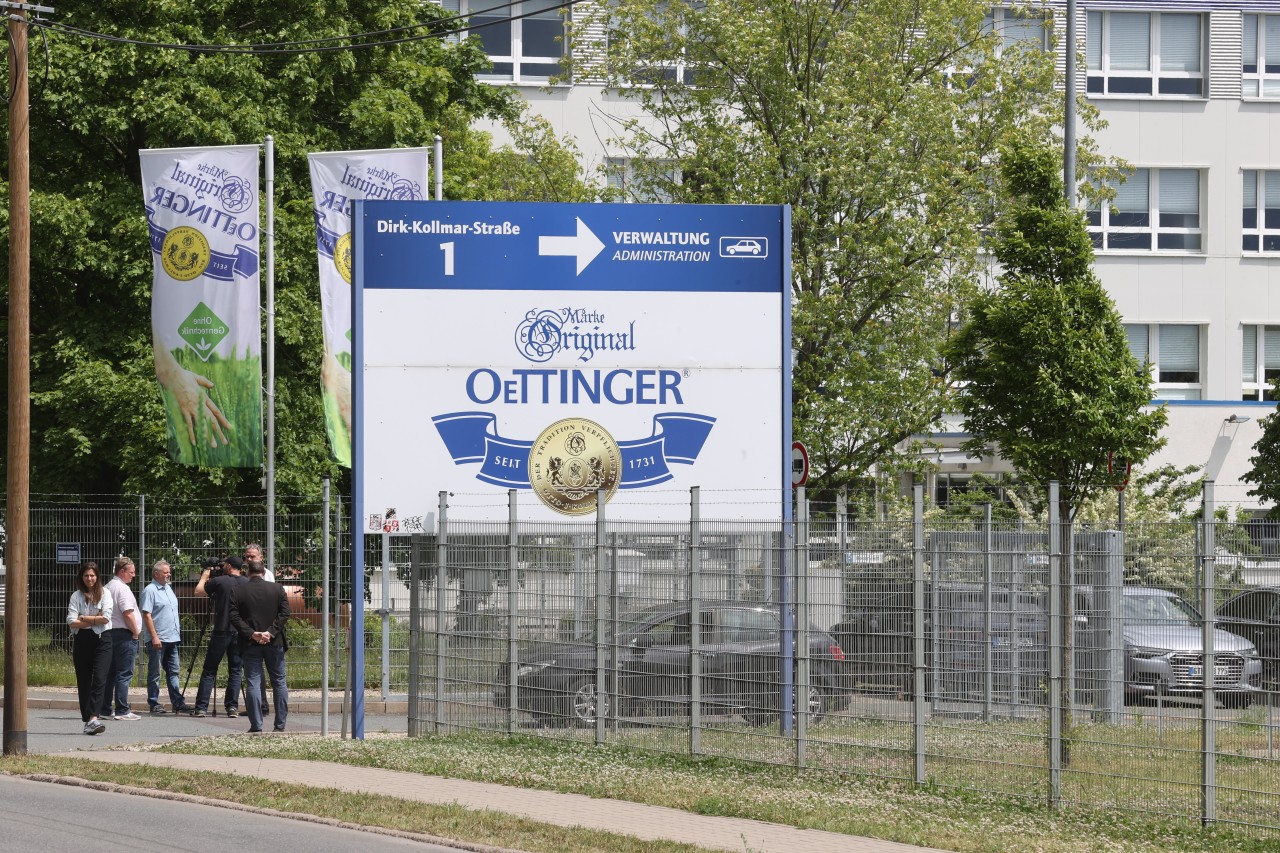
[(1255, 615), (1164, 650), (740, 667)]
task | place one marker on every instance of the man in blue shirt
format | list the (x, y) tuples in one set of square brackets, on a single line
[(159, 606)]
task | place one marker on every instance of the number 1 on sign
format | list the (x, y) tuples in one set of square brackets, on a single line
[(447, 248)]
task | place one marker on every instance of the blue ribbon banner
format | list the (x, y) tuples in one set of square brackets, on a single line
[(326, 238), (472, 437), (222, 266)]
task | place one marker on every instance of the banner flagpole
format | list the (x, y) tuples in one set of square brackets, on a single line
[(271, 354)]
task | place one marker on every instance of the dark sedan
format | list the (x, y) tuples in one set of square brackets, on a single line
[(739, 664), (1255, 615)]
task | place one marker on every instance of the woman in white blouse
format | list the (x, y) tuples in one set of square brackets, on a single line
[(89, 616)]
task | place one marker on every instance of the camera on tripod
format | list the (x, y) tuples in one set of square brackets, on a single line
[(214, 566)]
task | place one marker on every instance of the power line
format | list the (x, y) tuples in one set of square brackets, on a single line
[(322, 45)]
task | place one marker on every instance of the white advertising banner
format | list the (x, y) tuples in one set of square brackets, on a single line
[(338, 179), (566, 350), (203, 217)]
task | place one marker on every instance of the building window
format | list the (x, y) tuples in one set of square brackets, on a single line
[(524, 40), (1260, 57), (649, 184), (1017, 28), (1261, 221), (1145, 53), (1173, 353), (1154, 209), (1259, 362), (674, 66)]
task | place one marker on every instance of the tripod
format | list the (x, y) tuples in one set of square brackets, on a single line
[(204, 632)]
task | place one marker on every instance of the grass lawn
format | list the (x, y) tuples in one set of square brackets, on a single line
[(932, 816)]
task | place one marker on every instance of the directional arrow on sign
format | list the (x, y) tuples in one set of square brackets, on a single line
[(584, 246)]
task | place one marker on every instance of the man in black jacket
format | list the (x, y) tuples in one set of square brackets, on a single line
[(259, 610)]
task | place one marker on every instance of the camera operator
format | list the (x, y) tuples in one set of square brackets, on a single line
[(217, 582)]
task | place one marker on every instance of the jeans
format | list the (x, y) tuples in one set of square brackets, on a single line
[(167, 657), (124, 650), (272, 655), (220, 643), (91, 654)]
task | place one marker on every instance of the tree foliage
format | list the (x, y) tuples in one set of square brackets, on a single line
[(1050, 383), (880, 123), (97, 422), (1264, 470)]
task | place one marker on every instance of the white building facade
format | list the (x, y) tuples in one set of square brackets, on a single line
[(1190, 247)]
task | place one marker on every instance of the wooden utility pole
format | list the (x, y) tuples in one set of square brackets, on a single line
[(17, 513)]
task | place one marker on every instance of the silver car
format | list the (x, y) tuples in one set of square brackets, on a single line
[(1164, 651)]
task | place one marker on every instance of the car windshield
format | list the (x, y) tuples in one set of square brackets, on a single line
[(627, 620), (1160, 610)]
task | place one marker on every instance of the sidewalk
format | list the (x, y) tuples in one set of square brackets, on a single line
[(640, 821), (300, 701)]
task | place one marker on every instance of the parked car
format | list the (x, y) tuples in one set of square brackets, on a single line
[(877, 642), (1164, 650), (1255, 615), (740, 667)]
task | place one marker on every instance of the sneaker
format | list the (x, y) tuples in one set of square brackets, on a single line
[(129, 716), (233, 712), (98, 727), (196, 712), (158, 710), (90, 728)]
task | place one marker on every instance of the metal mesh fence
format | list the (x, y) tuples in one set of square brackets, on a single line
[(1021, 659), (957, 653)]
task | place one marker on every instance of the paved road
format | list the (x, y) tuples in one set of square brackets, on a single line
[(52, 817)]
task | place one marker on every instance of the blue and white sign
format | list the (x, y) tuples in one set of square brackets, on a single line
[(565, 348)]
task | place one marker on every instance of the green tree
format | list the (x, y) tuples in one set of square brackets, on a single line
[(1264, 471), (879, 123), (1050, 383), (96, 411)]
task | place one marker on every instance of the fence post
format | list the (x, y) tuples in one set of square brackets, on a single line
[(1208, 706), (802, 626), (695, 623), (513, 613), (988, 666), (615, 678), (605, 702), (917, 627), (324, 608), (385, 613), (1055, 651), (142, 534), (442, 638), (416, 627)]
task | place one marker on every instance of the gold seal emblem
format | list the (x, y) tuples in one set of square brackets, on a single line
[(184, 253), (342, 256), (572, 460)]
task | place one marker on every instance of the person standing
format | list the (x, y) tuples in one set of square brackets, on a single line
[(259, 611), (253, 554), (222, 640), (159, 606), (126, 624), (89, 616), (253, 551)]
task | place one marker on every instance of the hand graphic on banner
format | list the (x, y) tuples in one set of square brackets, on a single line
[(337, 381), (188, 390)]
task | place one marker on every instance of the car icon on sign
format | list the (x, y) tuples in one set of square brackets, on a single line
[(752, 247)]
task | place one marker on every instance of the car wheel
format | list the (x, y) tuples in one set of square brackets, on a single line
[(731, 250), (584, 703), (758, 716)]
